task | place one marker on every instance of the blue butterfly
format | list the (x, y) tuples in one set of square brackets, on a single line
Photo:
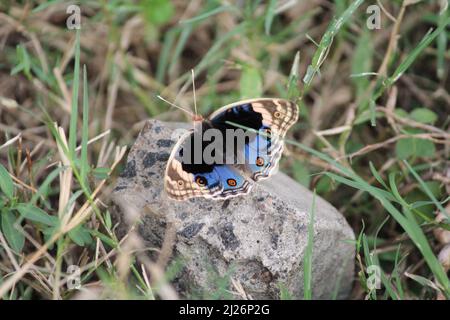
[(268, 118)]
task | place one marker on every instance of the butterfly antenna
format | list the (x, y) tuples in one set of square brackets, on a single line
[(175, 106), (193, 89)]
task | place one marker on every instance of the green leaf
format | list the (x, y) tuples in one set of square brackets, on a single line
[(404, 148), (110, 242), (36, 214), (401, 113), (80, 235), (251, 83), (423, 115), (45, 186), (293, 90), (269, 16), (157, 12), (362, 62), (425, 148), (408, 147), (325, 184), (284, 292), (367, 115), (108, 220), (101, 172), (15, 238), (432, 188), (424, 282), (24, 62), (301, 173), (48, 234), (6, 184)]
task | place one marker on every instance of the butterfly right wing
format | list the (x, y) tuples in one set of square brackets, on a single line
[(262, 155), (271, 118)]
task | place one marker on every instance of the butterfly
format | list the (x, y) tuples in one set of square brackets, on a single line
[(268, 118)]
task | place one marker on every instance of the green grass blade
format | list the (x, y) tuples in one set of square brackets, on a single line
[(45, 186), (74, 109), (293, 91), (36, 214), (412, 56), (269, 16), (442, 45), (307, 261), (84, 165), (377, 175), (208, 14), (181, 43), (326, 42), (163, 61), (410, 225), (427, 190)]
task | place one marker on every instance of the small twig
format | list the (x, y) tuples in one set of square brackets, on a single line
[(414, 124), (375, 146), (23, 183), (9, 252), (11, 141), (387, 13)]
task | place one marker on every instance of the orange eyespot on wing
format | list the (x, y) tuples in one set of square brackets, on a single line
[(201, 181), (259, 161)]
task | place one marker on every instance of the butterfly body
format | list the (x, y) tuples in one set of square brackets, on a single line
[(234, 165)]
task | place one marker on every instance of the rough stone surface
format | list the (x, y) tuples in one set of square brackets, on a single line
[(259, 239)]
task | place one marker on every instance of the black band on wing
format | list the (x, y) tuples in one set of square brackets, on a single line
[(243, 115)]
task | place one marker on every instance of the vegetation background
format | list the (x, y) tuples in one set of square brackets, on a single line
[(373, 137)]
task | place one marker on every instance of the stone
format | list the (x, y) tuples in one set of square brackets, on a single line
[(258, 239)]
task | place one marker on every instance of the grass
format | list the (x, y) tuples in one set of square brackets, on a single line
[(307, 262), (372, 138)]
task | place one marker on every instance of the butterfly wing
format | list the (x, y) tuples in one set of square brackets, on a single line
[(277, 114), (272, 118), (262, 156), (186, 179)]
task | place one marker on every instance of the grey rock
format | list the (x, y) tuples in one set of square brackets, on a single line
[(258, 239)]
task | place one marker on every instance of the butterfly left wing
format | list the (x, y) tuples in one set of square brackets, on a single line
[(187, 179), (272, 118)]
